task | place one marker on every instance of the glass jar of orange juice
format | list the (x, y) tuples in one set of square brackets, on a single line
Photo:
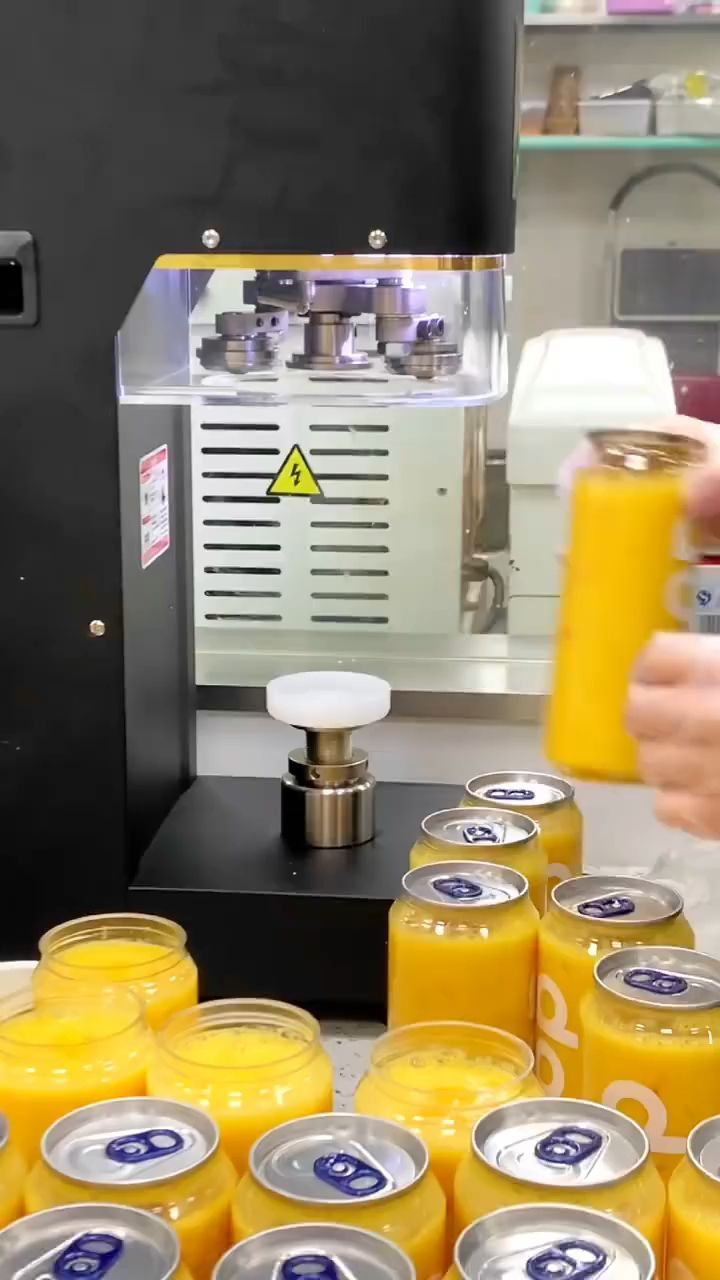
[(91, 1240), (651, 1042), (250, 1063), (145, 953), (626, 578), (488, 835), (693, 1243), (147, 1153), (60, 1054), (439, 1078), (590, 917), (548, 801), (320, 1251), (552, 1242), (562, 1151), (348, 1169), (463, 946), (12, 1177)]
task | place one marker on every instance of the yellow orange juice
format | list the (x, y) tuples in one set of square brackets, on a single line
[(438, 1078), (626, 578), (57, 1055), (546, 800), (12, 1177), (651, 1043), (148, 1154), (91, 1240), (344, 1168), (590, 917), (250, 1063), (145, 953), (488, 835), (693, 1245), (561, 1151), (462, 946)]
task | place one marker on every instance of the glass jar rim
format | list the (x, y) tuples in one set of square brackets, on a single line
[(55, 944), (238, 1012), (495, 1037), (20, 1003)]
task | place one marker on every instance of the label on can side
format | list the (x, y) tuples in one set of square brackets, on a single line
[(706, 590)]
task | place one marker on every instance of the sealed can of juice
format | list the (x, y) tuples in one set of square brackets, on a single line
[(95, 1240), (627, 576), (463, 946), (488, 835), (324, 1251), (562, 1151), (589, 917), (693, 1241), (551, 1242), (548, 801), (355, 1170), (651, 1042), (12, 1177), (148, 1153)]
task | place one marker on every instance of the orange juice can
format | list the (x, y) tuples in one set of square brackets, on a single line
[(627, 576), (354, 1170), (651, 1043), (147, 1153), (97, 1241), (548, 801), (488, 835), (562, 1151), (589, 917), (693, 1244), (552, 1242), (462, 946), (323, 1251), (12, 1177)]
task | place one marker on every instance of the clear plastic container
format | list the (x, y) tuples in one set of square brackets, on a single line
[(438, 1078), (145, 953), (252, 1064), (60, 1054)]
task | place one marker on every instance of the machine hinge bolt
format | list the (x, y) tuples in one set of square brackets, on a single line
[(377, 239), (97, 627), (211, 238)]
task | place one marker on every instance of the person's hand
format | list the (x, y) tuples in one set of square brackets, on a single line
[(674, 713)]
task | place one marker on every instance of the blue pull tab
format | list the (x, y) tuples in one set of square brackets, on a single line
[(349, 1174), (92, 1254), (607, 908), (516, 794), (149, 1144), (474, 833), (309, 1266), (568, 1145), (570, 1260), (656, 981), (458, 887)]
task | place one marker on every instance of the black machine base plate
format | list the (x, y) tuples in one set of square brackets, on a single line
[(266, 920)]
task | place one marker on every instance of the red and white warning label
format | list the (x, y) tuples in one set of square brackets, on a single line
[(154, 506)]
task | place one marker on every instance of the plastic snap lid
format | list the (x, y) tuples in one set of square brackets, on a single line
[(328, 699)]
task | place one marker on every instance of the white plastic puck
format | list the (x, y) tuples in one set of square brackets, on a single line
[(328, 699)]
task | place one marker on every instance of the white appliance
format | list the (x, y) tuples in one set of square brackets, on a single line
[(569, 382)]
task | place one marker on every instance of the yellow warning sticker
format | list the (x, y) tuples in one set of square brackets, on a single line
[(295, 479)]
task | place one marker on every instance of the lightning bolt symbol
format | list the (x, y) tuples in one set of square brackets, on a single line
[(296, 474)]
